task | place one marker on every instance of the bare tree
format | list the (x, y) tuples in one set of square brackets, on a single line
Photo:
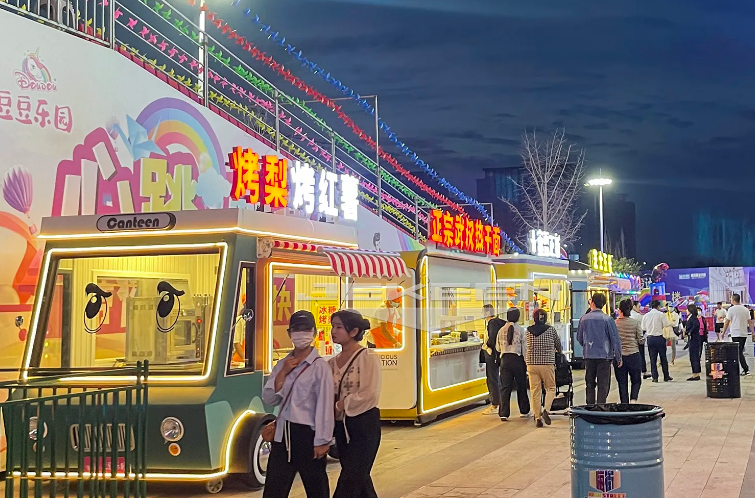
[(550, 186)]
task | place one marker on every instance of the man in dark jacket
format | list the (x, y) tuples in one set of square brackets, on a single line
[(492, 358)]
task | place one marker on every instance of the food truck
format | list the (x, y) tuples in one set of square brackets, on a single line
[(203, 296)]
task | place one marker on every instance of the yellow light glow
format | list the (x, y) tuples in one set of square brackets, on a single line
[(130, 249), (270, 297), (159, 476), (403, 327), (236, 229)]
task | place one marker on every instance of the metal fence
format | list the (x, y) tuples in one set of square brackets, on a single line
[(76, 441), (167, 40)]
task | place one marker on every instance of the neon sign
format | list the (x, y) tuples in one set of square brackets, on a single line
[(600, 261), (460, 232), (544, 244), (322, 192)]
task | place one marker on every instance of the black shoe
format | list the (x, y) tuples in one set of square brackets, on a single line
[(655, 380), (646, 376), (668, 380), (693, 378), (504, 419), (546, 417), (538, 423)]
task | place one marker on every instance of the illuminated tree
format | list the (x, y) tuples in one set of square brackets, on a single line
[(553, 178)]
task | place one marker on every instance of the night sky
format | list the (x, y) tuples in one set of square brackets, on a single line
[(661, 94)]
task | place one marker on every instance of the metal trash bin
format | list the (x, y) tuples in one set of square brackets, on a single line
[(616, 451), (722, 370)]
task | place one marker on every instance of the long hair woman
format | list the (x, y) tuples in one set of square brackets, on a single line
[(695, 340), (357, 375), (511, 343), (630, 333)]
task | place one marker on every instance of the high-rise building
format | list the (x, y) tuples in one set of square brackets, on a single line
[(499, 184)]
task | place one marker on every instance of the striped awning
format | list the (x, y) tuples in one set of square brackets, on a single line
[(366, 263), (295, 246)]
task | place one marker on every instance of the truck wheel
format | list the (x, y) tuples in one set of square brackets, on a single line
[(214, 487), (260, 453)]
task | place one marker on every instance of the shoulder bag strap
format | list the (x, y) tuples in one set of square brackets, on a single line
[(346, 372), (291, 390)]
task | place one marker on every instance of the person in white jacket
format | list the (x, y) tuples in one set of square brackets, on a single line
[(511, 343)]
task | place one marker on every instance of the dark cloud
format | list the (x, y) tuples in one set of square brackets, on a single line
[(679, 123), (479, 137), (597, 126)]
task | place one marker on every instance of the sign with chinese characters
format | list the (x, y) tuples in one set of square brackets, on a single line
[(460, 232), (265, 180), (600, 261), (545, 244)]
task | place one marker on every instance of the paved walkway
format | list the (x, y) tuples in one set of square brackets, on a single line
[(708, 451)]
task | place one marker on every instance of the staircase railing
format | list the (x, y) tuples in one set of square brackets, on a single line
[(168, 43)]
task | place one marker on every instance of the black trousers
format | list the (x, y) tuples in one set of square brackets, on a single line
[(358, 455), (742, 360), (597, 375), (281, 472), (494, 381), (630, 370), (644, 361), (695, 351), (513, 372), (657, 347)]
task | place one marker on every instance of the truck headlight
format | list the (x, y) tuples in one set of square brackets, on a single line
[(172, 429), (34, 428)]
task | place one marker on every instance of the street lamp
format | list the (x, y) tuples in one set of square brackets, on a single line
[(600, 183)]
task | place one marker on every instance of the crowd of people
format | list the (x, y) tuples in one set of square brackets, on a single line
[(517, 358)]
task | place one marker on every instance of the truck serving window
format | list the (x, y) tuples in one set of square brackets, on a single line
[(108, 311)]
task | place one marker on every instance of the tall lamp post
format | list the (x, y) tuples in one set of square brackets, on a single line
[(600, 182)]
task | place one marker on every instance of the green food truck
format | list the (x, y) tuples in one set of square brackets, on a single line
[(203, 297)]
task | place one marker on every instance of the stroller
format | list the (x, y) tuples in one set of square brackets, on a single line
[(564, 385)]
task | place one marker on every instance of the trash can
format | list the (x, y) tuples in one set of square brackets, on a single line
[(616, 451), (722, 370)]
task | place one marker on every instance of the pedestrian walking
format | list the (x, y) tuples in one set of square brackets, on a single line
[(737, 320), (672, 333), (630, 334), (301, 386), (512, 346), (357, 376), (653, 323), (638, 316), (694, 333), (491, 358), (543, 344), (601, 347), (720, 315)]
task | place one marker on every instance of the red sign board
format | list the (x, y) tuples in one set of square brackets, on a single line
[(270, 188), (460, 232)]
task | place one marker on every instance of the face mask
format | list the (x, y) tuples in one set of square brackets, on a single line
[(392, 304), (302, 340)]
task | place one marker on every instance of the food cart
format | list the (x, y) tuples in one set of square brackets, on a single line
[(201, 295), (532, 282)]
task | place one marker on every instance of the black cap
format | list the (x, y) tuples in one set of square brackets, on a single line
[(301, 319)]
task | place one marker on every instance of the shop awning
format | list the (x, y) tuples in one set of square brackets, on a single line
[(366, 264), (295, 246)]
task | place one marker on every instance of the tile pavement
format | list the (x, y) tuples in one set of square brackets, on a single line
[(708, 451)]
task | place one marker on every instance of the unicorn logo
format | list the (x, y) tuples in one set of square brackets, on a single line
[(34, 75)]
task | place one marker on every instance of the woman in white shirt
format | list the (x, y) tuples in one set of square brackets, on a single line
[(301, 386), (357, 376), (512, 344)]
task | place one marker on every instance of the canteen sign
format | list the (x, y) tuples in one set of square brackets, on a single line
[(130, 222), (269, 181)]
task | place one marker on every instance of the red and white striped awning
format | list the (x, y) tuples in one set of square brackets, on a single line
[(366, 263), (295, 246)]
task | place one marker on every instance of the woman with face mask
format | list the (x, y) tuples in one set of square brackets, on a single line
[(357, 376), (301, 385)]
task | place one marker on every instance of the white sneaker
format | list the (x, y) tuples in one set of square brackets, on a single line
[(525, 415), (491, 410)]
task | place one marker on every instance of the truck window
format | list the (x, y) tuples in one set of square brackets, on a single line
[(127, 308), (241, 354)]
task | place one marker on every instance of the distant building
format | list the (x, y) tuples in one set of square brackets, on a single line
[(498, 184)]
